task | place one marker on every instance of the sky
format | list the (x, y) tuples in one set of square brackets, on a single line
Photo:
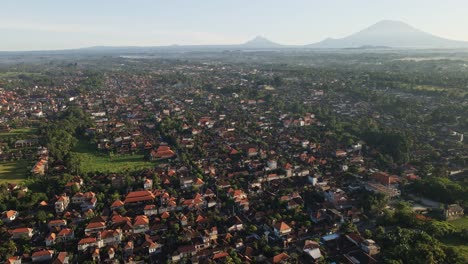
[(59, 24)]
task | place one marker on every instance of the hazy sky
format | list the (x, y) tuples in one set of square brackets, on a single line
[(61, 24)]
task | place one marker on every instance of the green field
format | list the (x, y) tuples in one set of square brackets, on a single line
[(460, 223), (18, 132), (16, 74), (14, 171), (457, 242), (94, 161)]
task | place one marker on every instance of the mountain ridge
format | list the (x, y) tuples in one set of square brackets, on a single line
[(383, 34), (390, 33)]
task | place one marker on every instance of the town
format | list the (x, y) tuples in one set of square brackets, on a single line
[(233, 157)]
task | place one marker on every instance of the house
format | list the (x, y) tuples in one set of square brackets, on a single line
[(95, 227), (62, 203), (111, 237), (85, 200), (111, 253), (337, 197), (370, 247), (9, 216), (220, 256), (128, 248), (117, 204), (148, 184), (84, 243), (387, 190), (340, 153), (240, 198), (21, 233), (312, 250), (42, 255), (318, 215), (56, 224), (65, 235), (282, 229), (252, 152), (186, 182), (281, 258), (163, 152), (14, 260), (62, 258), (150, 210), (384, 179), (453, 211), (235, 224), (184, 252), (139, 196), (141, 224), (50, 239)]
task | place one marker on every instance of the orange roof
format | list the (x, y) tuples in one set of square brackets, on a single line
[(110, 233), (139, 196), (280, 257), (163, 148), (165, 215), (51, 236), (220, 255), (199, 181), (65, 232), (13, 259), (119, 218), (95, 225), (200, 218), (21, 230), (87, 240), (61, 257), (117, 203), (149, 207), (234, 151), (141, 220), (282, 226), (58, 222), (42, 253), (10, 213)]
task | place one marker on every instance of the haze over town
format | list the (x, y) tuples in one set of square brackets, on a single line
[(54, 24), (233, 132)]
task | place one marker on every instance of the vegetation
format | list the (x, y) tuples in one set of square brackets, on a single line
[(17, 133), (14, 171), (90, 160), (447, 191)]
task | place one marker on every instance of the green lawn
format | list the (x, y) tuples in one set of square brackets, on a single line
[(14, 171), (18, 132), (456, 242), (93, 160), (12, 74), (460, 223)]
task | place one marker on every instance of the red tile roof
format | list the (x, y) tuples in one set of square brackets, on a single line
[(139, 196)]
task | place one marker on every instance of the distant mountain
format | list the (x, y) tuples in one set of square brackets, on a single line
[(389, 33), (261, 42), (386, 34)]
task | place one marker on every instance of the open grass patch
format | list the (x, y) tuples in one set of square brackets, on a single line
[(460, 223), (13, 74), (92, 160), (18, 132), (14, 171)]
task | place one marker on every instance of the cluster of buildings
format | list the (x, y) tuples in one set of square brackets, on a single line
[(232, 178)]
